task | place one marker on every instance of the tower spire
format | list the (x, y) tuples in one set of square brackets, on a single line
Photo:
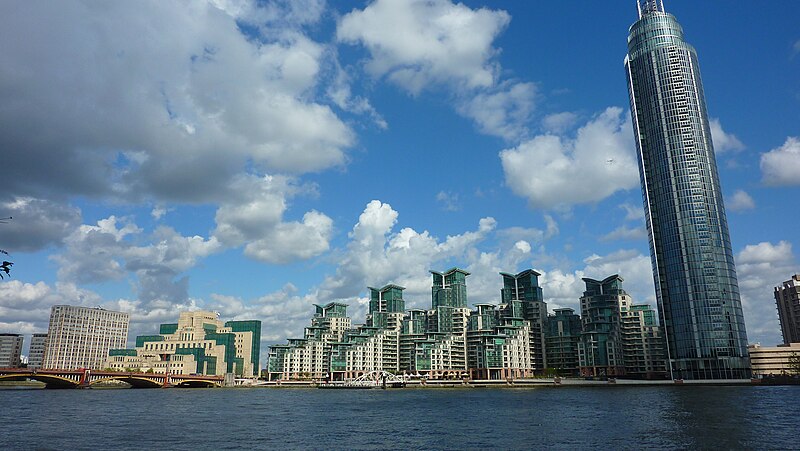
[(649, 6)]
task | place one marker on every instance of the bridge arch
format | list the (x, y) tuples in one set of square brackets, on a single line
[(135, 382), (51, 380)]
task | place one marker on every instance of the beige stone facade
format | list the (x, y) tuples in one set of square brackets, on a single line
[(774, 361), (199, 344), (80, 337)]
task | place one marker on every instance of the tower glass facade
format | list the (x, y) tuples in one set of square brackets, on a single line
[(693, 268)]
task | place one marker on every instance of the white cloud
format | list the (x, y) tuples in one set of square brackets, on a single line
[(781, 166), (558, 123), (448, 201), (529, 234), (633, 212), (254, 218), (290, 241), (503, 111), (108, 251), (553, 171), (417, 43), (174, 116), (377, 255), (760, 267), (422, 44), (740, 201), (723, 141), (624, 232)]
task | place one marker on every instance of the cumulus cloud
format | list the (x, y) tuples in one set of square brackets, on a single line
[(781, 166), (421, 44), (558, 123), (760, 267), (254, 218), (173, 116), (25, 307), (740, 201), (503, 111), (724, 141), (418, 43), (554, 171), (529, 234), (36, 223), (624, 232), (563, 288), (376, 255), (108, 251)]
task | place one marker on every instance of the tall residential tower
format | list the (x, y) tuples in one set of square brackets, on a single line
[(693, 269)]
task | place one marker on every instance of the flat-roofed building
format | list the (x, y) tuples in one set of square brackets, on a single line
[(10, 350), (80, 337), (787, 298), (775, 361), (36, 350), (199, 343)]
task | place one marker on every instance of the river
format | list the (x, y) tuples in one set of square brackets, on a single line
[(736, 417)]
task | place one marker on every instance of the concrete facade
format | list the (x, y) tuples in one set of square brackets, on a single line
[(775, 361), (199, 343), (10, 350), (80, 337), (36, 350)]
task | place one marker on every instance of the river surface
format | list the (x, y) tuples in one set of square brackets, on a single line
[(412, 418)]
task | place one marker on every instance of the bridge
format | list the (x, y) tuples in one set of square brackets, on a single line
[(84, 378)]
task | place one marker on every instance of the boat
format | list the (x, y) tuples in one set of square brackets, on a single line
[(373, 379)]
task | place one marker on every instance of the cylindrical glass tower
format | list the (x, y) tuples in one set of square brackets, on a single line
[(693, 268)]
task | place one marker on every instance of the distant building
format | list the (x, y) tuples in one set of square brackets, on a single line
[(643, 344), (775, 361), (10, 350), (562, 335), (600, 349), (619, 338), (80, 337), (36, 350), (498, 342), (787, 298), (310, 357), (199, 343), (523, 288)]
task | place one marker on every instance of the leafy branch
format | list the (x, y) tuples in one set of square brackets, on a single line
[(6, 266)]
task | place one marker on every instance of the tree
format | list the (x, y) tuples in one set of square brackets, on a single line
[(794, 363), (6, 266)]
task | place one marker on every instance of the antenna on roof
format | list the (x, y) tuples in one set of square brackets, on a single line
[(649, 6)]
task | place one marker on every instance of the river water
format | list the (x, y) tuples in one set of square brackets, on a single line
[(413, 418)]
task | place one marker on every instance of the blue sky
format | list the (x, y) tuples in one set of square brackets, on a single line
[(255, 158)]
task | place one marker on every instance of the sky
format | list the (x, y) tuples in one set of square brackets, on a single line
[(258, 157)]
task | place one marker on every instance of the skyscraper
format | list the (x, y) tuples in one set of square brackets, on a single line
[(693, 268)]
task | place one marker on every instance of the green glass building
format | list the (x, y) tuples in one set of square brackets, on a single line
[(693, 268)]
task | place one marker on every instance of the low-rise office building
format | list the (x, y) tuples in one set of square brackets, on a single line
[(775, 361)]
